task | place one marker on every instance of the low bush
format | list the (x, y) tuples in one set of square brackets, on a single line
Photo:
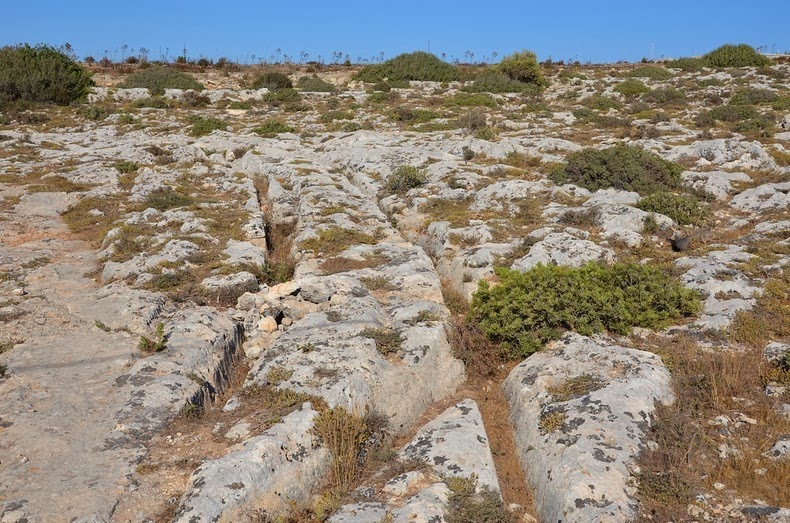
[(631, 87), (344, 435), (280, 96), (525, 310), (753, 96), (495, 81), (314, 84), (654, 72), (418, 65), (405, 177), (685, 210), (466, 505), (166, 198), (686, 64), (41, 74), (202, 126), (272, 80), (625, 167), (601, 103), (741, 55), (664, 96), (470, 100), (523, 67), (273, 127), (158, 78)]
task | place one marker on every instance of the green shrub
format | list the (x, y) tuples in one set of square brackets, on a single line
[(625, 167), (525, 310), (631, 87), (466, 505), (273, 127), (314, 84), (741, 55), (280, 96), (664, 96), (405, 177), (470, 100), (126, 167), (733, 113), (523, 67), (601, 103), (166, 198), (418, 65), (331, 116), (272, 81), (41, 74), (752, 96), (158, 78), (686, 64), (202, 126), (685, 210), (492, 80), (654, 72), (414, 116)]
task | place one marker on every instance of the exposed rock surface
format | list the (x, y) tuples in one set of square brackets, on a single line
[(578, 451)]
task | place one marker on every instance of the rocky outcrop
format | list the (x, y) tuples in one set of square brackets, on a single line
[(581, 410)]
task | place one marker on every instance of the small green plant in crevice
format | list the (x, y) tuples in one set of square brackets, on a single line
[(344, 435), (126, 167), (575, 387), (166, 198), (378, 283), (201, 125), (466, 505), (3, 370), (684, 210), (404, 178), (625, 167), (101, 325), (387, 341), (158, 344), (552, 421), (526, 310), (278, 374), (335, 240)]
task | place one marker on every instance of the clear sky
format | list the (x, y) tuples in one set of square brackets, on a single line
[(584, 30)]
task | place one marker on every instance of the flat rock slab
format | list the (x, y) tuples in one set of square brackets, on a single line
[(563, 249), (577, 451), (456, 444)]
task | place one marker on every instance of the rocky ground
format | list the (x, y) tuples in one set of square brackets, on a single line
[(187, 298)]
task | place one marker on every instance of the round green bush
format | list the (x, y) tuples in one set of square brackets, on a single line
[(741, 55), (158, 78), (272, 80), (685, 210), (405, 177), (492, 80), (313, 84), (526, 310), (418, 66), (654, 72), (523, 67), (631, 87), (625, 167), (41, 74)]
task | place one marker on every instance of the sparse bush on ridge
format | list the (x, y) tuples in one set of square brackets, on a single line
[(624, 167), (158, 78), (314, 84), (654, 72), (418, 65), (41, 74), (752, 96), (728, 55), (526, 310), (272, 80), (492, 80), (273, 127), (741, 55), (523, 67)]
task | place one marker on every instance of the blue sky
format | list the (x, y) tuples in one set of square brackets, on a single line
[(585, 30)]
